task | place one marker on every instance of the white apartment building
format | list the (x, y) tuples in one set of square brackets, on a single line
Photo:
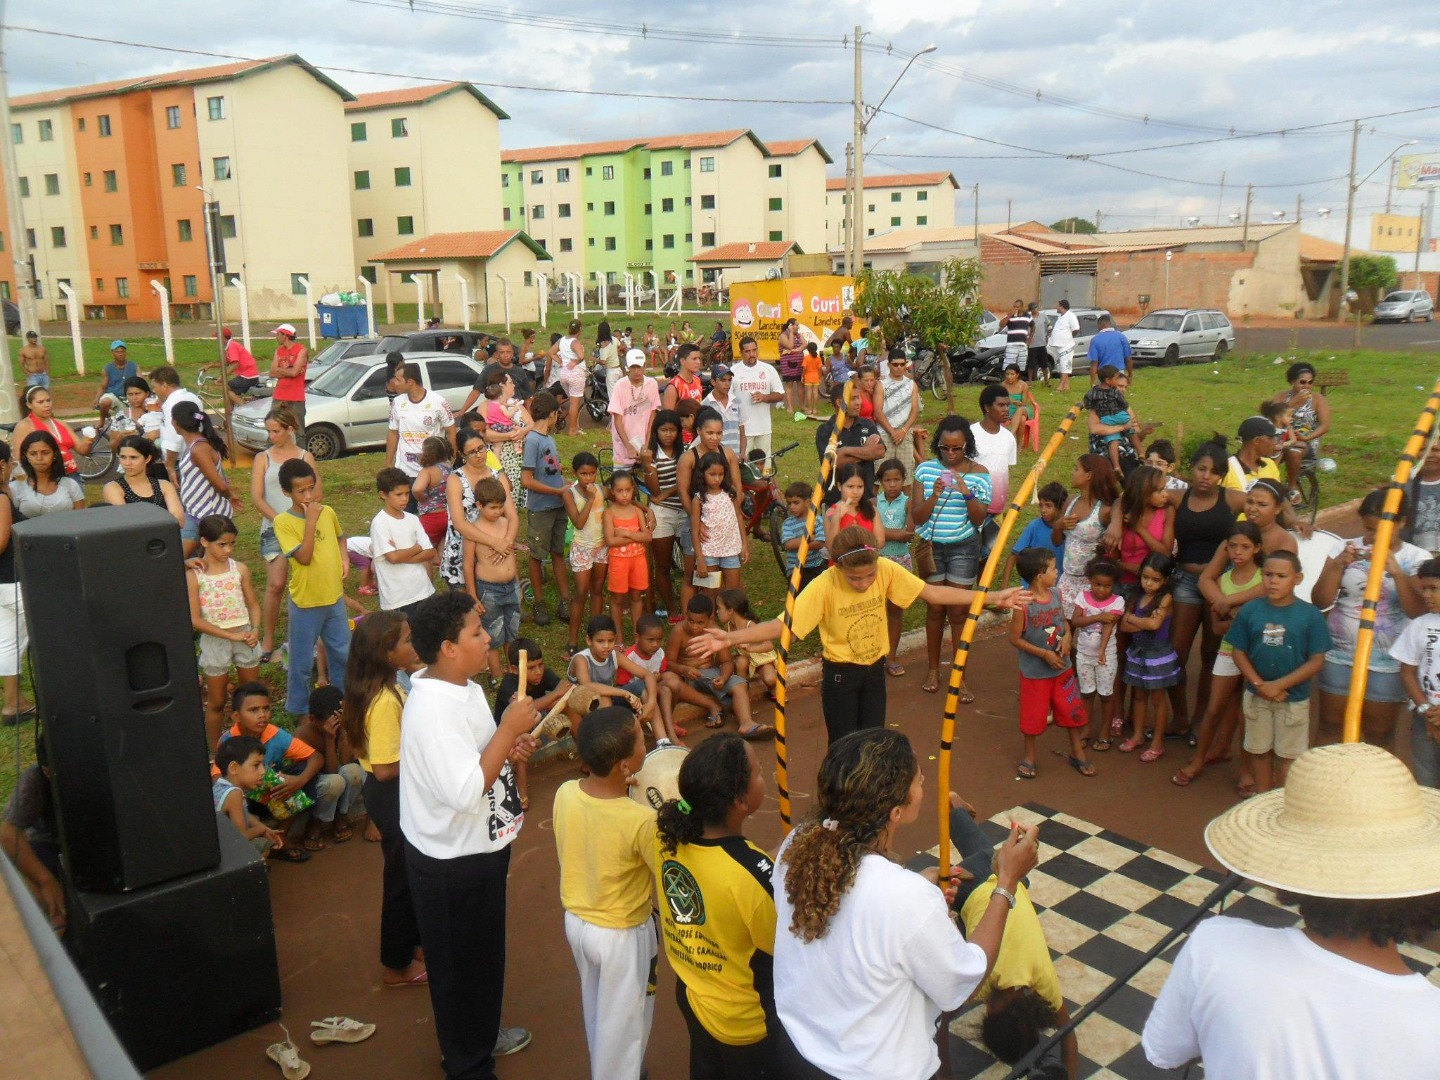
[(898, 201)]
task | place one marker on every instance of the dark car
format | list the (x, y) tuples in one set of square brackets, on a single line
[(440, 339), (12, 318)]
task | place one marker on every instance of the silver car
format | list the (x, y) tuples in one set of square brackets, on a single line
[(1405, 305), (1170, 335), (347, 408)]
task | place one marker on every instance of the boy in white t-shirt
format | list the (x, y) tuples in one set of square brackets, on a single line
[(401, 554), (1418, 650)]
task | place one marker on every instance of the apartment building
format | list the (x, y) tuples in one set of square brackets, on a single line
[(110, 179), (645, 206), (899, 201)]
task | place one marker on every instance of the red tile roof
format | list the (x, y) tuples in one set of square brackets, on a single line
[(791, 147), (759, 251), (704, 140), (173, 78), (457, 245), (926, 179), (419, 95), (533, 154)]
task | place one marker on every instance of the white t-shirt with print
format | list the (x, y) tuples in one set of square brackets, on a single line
[(1087, 638), (760, 379), (414, 422), (1419, 646)]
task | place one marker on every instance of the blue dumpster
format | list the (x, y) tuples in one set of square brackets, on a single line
[(338, 322)]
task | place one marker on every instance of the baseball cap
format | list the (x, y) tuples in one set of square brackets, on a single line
[(116, 344), (719, 371), (1253, 427), (31, 333), (635, 358), (284, 328), (225, 332)]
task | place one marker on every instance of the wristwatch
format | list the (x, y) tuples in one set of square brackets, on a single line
[(1008, 896)]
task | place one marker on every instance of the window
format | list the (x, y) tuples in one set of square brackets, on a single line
[(667, 206), (566, 244), (362, 180), (607, 172), (687, 165), (529, 279), (111, 183), (707, 239), (610, 208), (589, 172), (365, 227), (190, 285), (505, 179), (667, 168), (505, 214), (590, 243), (689, 238), (368, 273), (562, 176), (102, 125), (184, 231), (80, 124), (357, 131), (89, 180), (297, 287), (99, 284), (24, 187), (687, 200), (220, 168), (707, 164), (94, 233), (122, 286), (172, 117), (649, 245), (177, 175), (894, 222), (17, 134), (707, 202), (894, 196), (117, 235), (537, 213), (777, 204), (922, 196), (57, 236), (227, 227), (398, 128), (537, 176), (648, 207), (544, 244), (922, 220), (30, 239), (215, 107), (647, 174), (52, 183), (449, 375), (46, 129), (405, 226), (667, 241), (563, 210), (402, 176), (609, 243), (589, 207), (774, 172), (407, 278)]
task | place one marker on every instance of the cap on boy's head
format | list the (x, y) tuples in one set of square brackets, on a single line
[(32, 335), (245, 691), (1253, 427), (606, 738), (284, 328), (635, 358), (1032, 562), (325, 702), (531, 647), (719, 371)]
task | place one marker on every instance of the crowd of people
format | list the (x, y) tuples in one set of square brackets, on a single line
[(826, 958)]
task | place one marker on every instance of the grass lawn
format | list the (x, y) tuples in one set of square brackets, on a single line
[(1372, 418)]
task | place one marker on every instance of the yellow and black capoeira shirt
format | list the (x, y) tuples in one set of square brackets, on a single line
[(717, 917)]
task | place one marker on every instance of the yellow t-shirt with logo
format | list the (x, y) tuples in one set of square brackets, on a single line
[(607, 857), (717, 919), (320, 583), (1237, 479), (853, 627), (1024, 958), (382, 729)]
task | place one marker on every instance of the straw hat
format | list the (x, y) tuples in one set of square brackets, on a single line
[(1350, 824)]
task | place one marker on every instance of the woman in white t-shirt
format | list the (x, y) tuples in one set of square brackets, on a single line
[(570, 355), (866, 957)]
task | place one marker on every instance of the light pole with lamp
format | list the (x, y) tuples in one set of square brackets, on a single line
[(855, 256), (1350, 190)]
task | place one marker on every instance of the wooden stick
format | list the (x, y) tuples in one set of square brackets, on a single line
[(522, 691), (554, 710)]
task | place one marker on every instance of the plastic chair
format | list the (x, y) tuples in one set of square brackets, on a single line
[(1030, 431)]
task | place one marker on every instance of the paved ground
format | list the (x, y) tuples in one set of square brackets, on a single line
[(1280, 337)]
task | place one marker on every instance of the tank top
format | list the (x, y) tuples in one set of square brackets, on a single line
[(274, 493), (1133, 548), (433, 501), (604, 674), (222, 598), (687, 391), (899, 393), (665, 472), (1199, 534), (155, 498), (1081, 541), (196, 495), (7, 557), (1229, 588), (63, 435), (717, 514), (593, 534), (567, 350), (633, 548)]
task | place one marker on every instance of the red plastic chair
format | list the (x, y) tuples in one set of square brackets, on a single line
[(1030, 431)]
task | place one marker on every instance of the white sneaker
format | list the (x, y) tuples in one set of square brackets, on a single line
[(511, 1041)]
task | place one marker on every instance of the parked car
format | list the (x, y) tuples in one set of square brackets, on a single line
[(346, 407), (1402, 305), (12, 318), (1170, 335), (322, 361), (441, 340)]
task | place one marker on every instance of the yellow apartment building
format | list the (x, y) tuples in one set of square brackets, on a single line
[(899, 201)]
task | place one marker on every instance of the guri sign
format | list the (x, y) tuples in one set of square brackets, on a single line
[(761, 308)]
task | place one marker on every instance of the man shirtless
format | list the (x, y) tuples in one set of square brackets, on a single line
[(35, 361)]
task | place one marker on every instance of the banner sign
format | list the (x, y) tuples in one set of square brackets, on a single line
[(760, 309), (1419, 170)]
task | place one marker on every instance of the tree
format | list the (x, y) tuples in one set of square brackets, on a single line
[(1373, 273), (1075, 225), (943, 309)]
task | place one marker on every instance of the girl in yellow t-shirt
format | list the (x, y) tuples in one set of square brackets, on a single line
[(379, 650)]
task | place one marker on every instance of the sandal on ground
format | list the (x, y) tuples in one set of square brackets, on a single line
[(314, 843), (715, 720), (1025, 770), (1182, 778), (272, 656), (1129, 746), (339, 1029), (1152, 755), (680, 732), (1184, 733), (1083, 767), (1099, 746), (285, 1054), (420, 978), (931, 685), (894, 667), (289, 853), (368, 590), (758, 733), (341, 833)]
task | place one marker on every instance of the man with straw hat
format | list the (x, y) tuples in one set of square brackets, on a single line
[(1354, 843)]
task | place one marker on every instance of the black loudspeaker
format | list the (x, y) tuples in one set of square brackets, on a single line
[(183, 965), (119, 693)]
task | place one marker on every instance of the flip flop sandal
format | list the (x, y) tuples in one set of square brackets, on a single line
[(289, 853), (715, 720), (680, 732), (1182, 778), (422, 979), (1099, 746), (1025, 770), (341, 833), (895, 669), (1152, 754), (966, 697), (931, 685), (339, 1029), (1129, 746), (758, 733), (284, 1054), (1084, 768), (313, 844)]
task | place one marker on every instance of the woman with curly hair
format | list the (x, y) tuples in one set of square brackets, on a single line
[(866, 956)]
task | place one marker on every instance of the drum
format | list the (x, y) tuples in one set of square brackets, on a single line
[(1313, 553), (658, 780)]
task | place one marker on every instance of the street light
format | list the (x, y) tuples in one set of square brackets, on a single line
[(855, 253), (1390, 187), (876, 143), (1351, 188)]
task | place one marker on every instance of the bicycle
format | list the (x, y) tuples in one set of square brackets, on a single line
[(1307, 485), (98, 465)]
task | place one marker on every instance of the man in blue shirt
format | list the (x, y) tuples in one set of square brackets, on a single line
[(1109, 346)]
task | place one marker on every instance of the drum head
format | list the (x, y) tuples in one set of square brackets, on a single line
[(658, 780), (1313, 552)]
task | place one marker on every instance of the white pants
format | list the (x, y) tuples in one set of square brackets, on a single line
[(757, 442), (14, 633), (617, 993), (1064, 356)]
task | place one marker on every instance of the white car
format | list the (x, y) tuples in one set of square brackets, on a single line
[(1405, 305), (347, 408), (1170, 335)]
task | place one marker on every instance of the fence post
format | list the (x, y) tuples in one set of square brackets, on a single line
[(369, 306), (419, 280), (164, 295), (75, 342), (309, 311), (542, 282), (505, 294), (465, 301), (239, 286)]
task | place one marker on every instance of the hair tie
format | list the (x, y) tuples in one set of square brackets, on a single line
[(831, 824), (682, 806)]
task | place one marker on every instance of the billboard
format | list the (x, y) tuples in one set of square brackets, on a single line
[(760, 309), (1419, 170)]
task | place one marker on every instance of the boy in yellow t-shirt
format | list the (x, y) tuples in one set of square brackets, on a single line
[(309, 535), (606, 844)]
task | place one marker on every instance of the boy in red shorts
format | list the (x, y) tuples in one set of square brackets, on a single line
[(1041, 635)]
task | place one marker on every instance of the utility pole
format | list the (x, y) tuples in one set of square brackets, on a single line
[(1220, 205), (976, 232), (1390, 187), (1245, 232), (1099, 214), (1349, 212), (857, 197), (1007, 215), (848, 227), (1299, 205), (1422, 241)]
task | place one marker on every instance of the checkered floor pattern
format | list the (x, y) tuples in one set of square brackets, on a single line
[(1104, 900)]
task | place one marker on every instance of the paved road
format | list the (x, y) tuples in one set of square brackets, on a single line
[(1385, 337)]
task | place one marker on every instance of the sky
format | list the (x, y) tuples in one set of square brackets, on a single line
[(1046, 77)]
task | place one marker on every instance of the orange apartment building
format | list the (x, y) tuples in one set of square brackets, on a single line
[(110, 178)]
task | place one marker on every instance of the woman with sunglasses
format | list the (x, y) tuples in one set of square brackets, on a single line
[(1309, 419)]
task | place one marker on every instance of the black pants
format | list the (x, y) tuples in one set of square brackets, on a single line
[(399, 934), (460, 908), (852, 696), (1039, 362), (792, 1065), (296, 409), (711, 1059)]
